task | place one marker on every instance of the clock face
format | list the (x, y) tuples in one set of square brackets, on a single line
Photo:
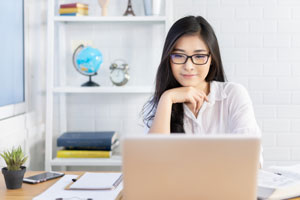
[(119, 77)]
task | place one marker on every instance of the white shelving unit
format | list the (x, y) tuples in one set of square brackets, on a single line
[(115, 160), (107, 90), (112, 19), (55, 33)]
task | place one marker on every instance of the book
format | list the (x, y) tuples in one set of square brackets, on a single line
[(72, 14), (112, 147), (83, 11), (83, 154), (102, 140), (279, 182), (96, 181), (74, 5)]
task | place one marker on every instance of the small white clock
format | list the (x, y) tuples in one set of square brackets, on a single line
[(119, 75)]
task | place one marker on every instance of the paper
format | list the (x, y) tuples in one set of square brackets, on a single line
[(292, 172), (57, 191), (279, 182), (270, 180), (94, 181)]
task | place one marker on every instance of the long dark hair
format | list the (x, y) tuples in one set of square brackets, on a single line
[(164, 77)]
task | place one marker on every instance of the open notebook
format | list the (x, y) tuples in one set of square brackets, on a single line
[(58, 191), (96, 181)]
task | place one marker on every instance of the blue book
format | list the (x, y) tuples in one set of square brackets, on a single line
[(72, 14), (100, 140)]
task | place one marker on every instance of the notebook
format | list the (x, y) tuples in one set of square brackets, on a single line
[(57, 191), (190, 167), (96, 181)]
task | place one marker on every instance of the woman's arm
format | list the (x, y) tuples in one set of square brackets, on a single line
[(241, 114), (162, 119)]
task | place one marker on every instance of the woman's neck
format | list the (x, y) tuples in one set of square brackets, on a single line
[(205, 87)]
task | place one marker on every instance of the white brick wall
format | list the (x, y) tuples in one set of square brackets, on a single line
[(249, 41), (259, 43), (277, 98), (277, 40), (296, 70), (262, 84), (277, 69), (277, 154), (260, 47), (295, 125), (28, 130)]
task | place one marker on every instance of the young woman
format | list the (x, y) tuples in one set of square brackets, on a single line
[(191, 95)]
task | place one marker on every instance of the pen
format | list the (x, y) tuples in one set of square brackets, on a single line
[(118, 181), (114, 185)]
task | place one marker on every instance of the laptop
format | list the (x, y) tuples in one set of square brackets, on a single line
[(163, 167)]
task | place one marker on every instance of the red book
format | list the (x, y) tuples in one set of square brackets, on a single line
[(74, 5)]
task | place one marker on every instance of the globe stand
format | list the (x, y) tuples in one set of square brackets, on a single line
[(90, 83)]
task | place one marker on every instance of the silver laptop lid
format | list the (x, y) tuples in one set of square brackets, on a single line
[(190, 166)]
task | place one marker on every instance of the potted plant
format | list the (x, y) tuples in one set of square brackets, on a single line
[(14, 172)]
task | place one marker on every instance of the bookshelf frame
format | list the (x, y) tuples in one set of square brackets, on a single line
[(55, 32)]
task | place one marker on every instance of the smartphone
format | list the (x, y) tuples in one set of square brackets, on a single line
[(42, 177)]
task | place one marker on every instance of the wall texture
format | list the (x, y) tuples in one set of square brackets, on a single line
[(27, 130), (260, 47)]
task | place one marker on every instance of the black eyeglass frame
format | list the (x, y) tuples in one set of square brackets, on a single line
[(187, 57)]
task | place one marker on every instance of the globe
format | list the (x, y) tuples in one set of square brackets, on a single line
[(87, 61)]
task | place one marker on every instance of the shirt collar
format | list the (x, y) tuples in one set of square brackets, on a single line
[(216, 92)]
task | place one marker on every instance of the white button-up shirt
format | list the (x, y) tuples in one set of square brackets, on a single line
[(229, 110)]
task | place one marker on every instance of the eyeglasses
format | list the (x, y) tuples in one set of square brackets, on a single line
[(197, 59)]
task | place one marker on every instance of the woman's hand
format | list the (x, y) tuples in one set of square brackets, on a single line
[(192, 96), (189, 95)]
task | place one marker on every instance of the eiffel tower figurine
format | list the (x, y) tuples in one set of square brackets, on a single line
[(129, 10)]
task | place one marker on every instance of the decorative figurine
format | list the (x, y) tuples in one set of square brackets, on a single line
[(103, 4), (129, 10)]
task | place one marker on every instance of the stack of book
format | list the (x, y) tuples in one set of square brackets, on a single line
[(87, 144), (73, 9)]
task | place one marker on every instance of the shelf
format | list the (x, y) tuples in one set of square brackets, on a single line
[(115, 160), (104, 89), (110, 19), (65, 30)]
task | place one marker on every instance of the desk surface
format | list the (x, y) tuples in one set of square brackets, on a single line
[(28, 191)]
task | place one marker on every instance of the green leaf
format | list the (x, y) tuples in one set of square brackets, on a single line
[(14, 158)]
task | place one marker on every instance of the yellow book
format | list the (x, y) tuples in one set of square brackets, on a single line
[(83, 11), (83, 154)]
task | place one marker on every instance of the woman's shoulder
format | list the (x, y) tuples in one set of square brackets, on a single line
[(231, 89)]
